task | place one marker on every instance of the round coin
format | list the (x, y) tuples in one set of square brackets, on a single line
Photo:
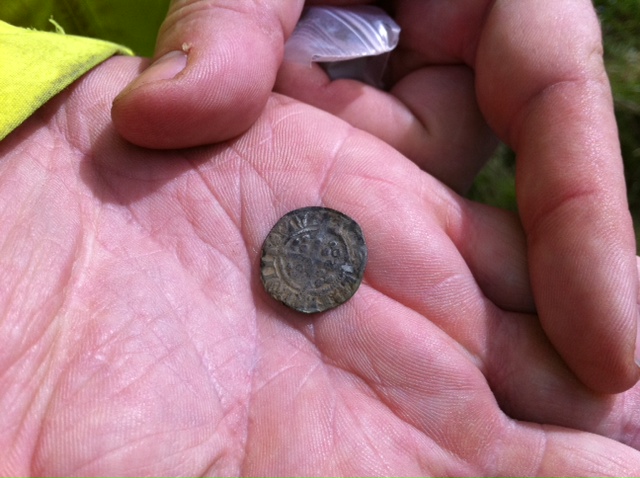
[(313, 259)]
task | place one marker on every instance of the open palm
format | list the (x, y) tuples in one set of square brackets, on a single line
[(137, 338)]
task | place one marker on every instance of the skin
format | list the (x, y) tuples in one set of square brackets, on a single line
[(137, 339), (466, 73)]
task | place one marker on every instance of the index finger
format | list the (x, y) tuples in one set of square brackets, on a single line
[(546, 92), (542, 86)]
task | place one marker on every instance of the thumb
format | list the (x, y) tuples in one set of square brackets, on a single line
[(214, 67)]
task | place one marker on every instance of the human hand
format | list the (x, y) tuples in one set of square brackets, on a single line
[(533, 70), (138, 340)]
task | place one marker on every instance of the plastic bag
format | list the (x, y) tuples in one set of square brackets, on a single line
[(349, 42)]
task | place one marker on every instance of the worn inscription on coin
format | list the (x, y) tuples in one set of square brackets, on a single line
[(313, 259)]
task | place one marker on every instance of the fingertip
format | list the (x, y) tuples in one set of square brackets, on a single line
[(607, 368), (605, 359), (215, 70), (611, 382), (183, 101), (586, 294)]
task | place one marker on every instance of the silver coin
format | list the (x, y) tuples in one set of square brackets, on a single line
[(313, 259)]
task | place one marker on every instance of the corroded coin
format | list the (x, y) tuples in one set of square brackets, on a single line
[(313, 259)]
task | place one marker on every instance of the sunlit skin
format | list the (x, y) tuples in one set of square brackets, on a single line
[(465, 73), (137, 337)]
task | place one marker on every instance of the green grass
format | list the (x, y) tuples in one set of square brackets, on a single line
[(620, 21)]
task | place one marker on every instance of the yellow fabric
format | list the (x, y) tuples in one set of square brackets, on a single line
[(36, 66), (134, 23)]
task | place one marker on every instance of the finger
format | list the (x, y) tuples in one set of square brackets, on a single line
[(532, 383), (493, 245), (430, 116), (546, 92), (215, 64), (538, 70)]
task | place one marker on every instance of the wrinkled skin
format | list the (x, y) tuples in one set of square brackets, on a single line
[(528, 72), (137, 338)]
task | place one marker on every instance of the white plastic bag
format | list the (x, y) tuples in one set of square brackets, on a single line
[(349, 42)]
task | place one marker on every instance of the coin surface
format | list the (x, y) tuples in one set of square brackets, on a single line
[(313, 259)]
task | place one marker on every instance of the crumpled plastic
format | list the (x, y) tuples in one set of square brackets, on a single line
[(348, 42)]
